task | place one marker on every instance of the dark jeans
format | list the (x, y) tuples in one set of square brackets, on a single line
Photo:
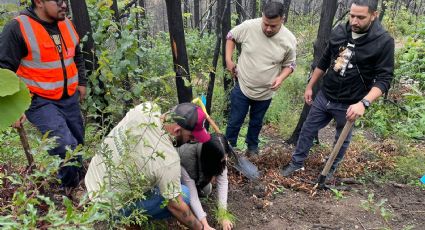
[(64, 121), (321, 113), (152, 205), (238, 110)]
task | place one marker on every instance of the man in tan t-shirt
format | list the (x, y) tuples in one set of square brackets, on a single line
[(267, 59), (139, 156)]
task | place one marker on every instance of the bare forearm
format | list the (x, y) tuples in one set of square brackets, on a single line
[(230, 47), (373, 94), (286, 71), (184, 215)]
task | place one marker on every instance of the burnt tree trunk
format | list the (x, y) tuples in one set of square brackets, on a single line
[(196, 14), (81, 20), (262, 2), (382, 11), (239, 12), (286, 7), (325, 27), (253, 8), (225, 28), (178, 48), (211, 83)]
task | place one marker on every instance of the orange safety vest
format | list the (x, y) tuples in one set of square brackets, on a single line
[(42, 69)]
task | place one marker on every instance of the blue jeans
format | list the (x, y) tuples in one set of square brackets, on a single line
[(63, 119), (321, 113), (152, 205), (238, 110)]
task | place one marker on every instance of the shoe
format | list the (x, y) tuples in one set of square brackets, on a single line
[(252, 152), (290, 169)]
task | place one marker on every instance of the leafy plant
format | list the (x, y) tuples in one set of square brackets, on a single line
[(377, 207), (338, 194), (14, 98)]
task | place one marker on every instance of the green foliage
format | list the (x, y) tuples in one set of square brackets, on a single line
[(33, 206), (401, 22), (223, 214), (405, 117), (135, 67), (377, 207), (131, 69), (408, 168), (287, 102), (10, 151), (14, 98), (7, 12), (338, 194)]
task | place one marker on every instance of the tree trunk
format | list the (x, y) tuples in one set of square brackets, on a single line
[(306, 8), (81, 20), (225, 28), (286, 7), (239, 12), (178, 48), (114, 7), (325, 27), (186, 10), (382, 12), (253, 7), (262, 2), (211, 83), (196, 14)]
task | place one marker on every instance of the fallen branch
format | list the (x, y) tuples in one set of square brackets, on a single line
[(360, 223), (26, 146)]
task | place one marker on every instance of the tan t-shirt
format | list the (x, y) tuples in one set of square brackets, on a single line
[(262, 58), (148, 150)]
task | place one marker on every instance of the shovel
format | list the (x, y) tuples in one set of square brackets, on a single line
[(321, 181), (242, 164)]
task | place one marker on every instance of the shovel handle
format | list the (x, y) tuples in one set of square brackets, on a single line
[(337, 147), (198, 102)]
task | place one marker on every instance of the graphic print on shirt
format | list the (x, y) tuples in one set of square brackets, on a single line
[(343, 61)]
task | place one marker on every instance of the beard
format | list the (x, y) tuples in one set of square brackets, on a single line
[(178, 141), (361, 30)]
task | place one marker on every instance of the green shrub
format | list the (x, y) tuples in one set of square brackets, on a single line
[(408, 168)]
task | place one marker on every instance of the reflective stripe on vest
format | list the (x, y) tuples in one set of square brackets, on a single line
[(46, 65), (31, 37), (71, 31), (48, 85), (42, 69)]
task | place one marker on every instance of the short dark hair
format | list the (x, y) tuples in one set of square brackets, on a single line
[(32, 3), (273, 9), (212, 154), (371, 4)]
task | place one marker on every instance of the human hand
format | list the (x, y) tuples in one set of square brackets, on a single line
[(19, 122), (227, 225), (83, 92), (308, 96), (231, 67), (206, 225), (355, 111), (276, 83)]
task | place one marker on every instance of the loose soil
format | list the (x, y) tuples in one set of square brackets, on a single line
[(276, 202)]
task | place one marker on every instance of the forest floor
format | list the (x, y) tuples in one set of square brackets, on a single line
[(275, 202)]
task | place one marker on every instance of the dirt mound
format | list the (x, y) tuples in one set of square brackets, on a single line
[(275, 202)]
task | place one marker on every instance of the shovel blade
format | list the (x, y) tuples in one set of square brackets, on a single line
[(247, 168)]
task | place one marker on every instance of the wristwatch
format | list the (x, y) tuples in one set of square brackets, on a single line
[(365, 102)]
